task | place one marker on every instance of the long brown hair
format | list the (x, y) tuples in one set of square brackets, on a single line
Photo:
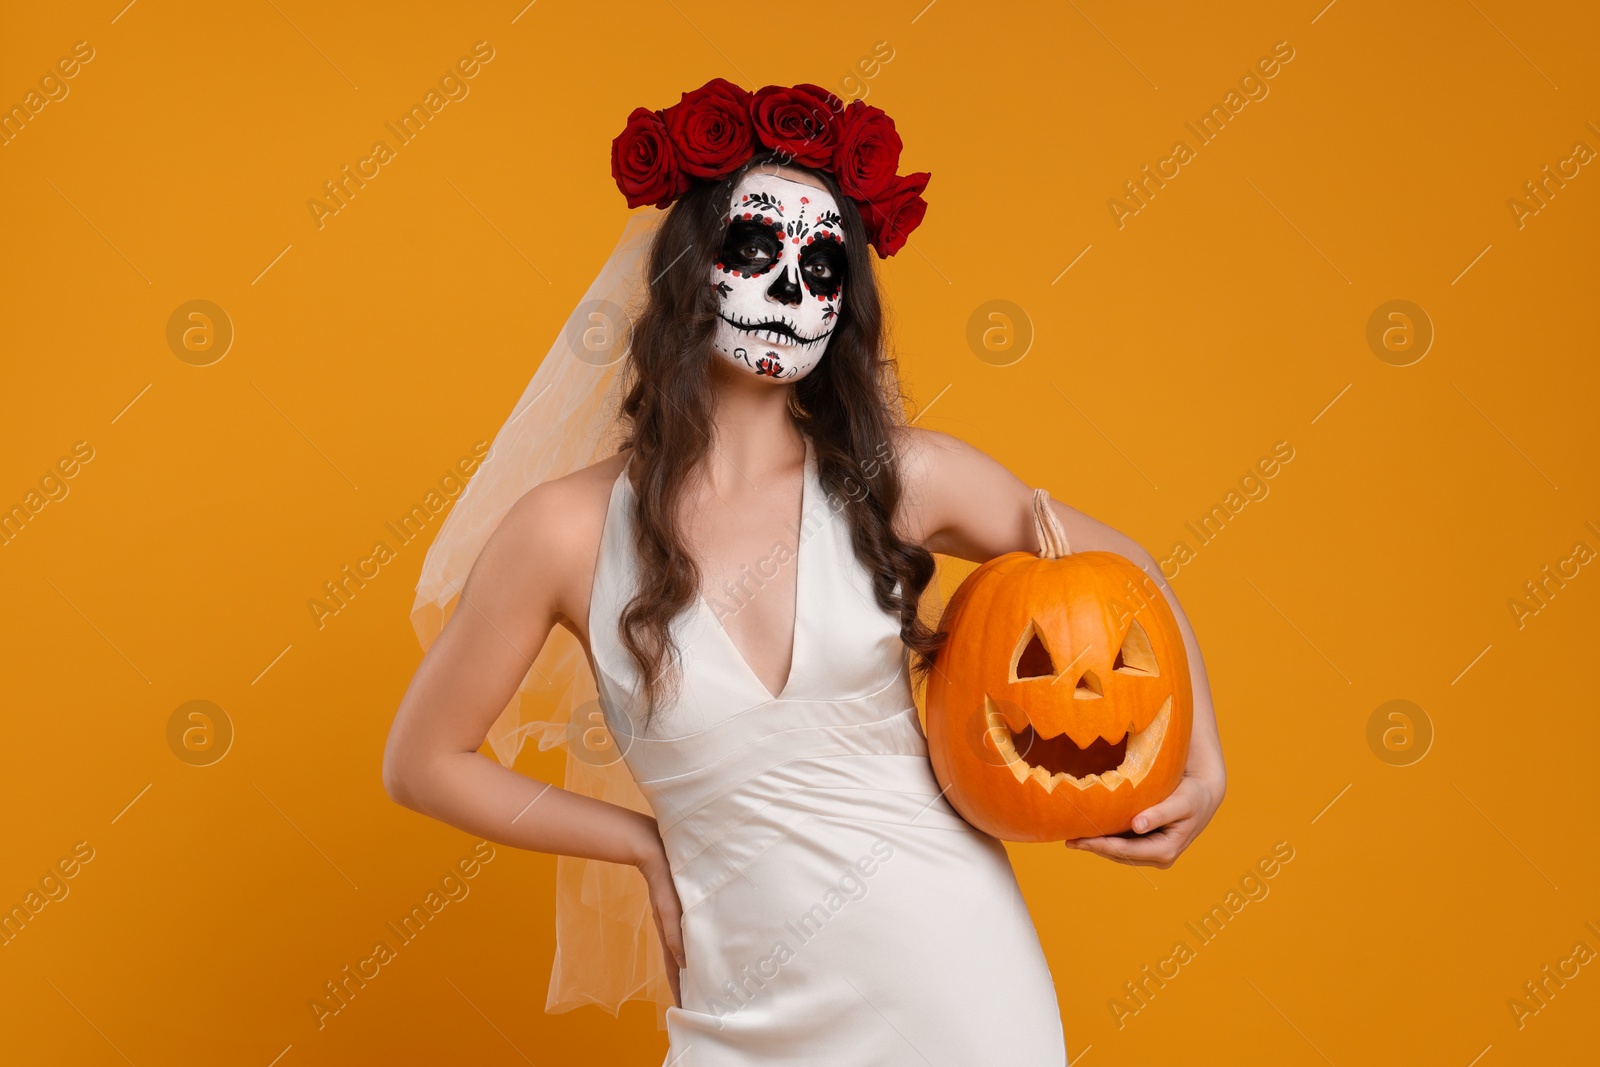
[(847, 405)]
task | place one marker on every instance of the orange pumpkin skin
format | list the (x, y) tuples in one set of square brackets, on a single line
[(1085, 609)]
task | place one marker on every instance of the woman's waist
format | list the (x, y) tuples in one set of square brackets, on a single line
[(683, 778), (810, 797), (771, 830)]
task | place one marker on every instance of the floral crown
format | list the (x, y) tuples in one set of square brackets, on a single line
[(714, 130)]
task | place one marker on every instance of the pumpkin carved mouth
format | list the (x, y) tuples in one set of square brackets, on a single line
[(1057, 760)]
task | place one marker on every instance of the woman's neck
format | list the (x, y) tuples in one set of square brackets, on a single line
[(754, 437)]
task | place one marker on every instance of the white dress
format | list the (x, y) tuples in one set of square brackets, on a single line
[(837, 910)]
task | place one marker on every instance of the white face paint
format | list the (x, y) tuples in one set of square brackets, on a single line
[(780, 276)]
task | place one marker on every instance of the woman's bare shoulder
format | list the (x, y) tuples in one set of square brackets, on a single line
[(551, 536), (923, 453), (920, 456), (958, 499), (568, 513)]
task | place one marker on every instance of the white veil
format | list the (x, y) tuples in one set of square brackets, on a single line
[(607, 948)]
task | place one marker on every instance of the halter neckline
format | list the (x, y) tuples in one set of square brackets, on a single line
[(701, 606)]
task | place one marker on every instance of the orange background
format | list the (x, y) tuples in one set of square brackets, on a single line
[(1230, 313)]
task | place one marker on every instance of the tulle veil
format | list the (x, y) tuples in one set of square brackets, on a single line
[(607, 949)]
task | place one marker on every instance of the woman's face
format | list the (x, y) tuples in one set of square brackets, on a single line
[(780, 276)]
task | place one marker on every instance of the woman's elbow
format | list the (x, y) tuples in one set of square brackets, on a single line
[(400, 776), (396, 784)]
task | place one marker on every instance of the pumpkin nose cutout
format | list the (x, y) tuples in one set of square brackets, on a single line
[(1035, 661), (1136, 656), (1089, 687)]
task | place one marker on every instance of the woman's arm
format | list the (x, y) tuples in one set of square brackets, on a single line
[(963, 503), (532, 565)]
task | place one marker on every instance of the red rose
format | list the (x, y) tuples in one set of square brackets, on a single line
[(644, 163), (868, 151), (891, 217), (800, 121), (710, 129)]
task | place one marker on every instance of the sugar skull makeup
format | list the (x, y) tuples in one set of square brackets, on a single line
[(779, 276)]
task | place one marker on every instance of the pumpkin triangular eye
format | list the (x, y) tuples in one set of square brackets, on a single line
[(1033, 661), (1136, 656)]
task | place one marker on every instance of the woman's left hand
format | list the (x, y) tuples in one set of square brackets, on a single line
[(1161, 833)]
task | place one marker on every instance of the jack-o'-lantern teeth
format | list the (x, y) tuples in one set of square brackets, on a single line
[(1052, 762)]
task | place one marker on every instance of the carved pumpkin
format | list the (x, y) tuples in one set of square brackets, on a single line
[(1060, 705)]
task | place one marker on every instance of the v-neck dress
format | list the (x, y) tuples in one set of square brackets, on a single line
[(836, 909)]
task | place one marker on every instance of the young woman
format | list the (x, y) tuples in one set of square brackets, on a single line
[(743, 576)]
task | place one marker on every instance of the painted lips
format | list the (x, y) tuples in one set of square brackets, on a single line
[(775, 331)]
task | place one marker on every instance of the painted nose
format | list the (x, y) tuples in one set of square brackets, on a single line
[(785, 288)]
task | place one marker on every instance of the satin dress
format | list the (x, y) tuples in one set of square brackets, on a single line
[(836, 909)]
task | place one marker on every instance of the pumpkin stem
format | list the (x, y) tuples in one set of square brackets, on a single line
[(1052, 537)]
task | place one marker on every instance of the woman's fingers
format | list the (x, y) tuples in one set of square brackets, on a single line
[(671, 922), (1159, 849), (673, 980), (1168, 823), (671, 964), (668, 913), (667, 908), (1183, 802), (1162, 831)]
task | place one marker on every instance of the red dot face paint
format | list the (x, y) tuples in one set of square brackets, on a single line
[(784, 245)]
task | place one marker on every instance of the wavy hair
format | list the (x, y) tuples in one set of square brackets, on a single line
[(848, 406)]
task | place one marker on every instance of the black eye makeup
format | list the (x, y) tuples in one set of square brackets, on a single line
[(750, 247), (822, 265)]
